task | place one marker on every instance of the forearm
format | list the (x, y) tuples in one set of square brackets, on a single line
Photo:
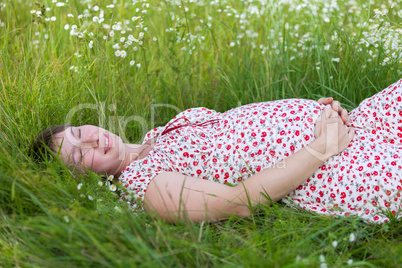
[(281, 179)]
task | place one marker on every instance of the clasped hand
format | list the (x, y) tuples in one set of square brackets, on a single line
[(332, 131)]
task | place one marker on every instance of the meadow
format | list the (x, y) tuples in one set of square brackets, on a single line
[(129, 66)]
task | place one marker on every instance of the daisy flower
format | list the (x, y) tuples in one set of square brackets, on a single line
[(132, 63), (79, 186), (110, 178), (112, 188), (117, 53), (352, 237), (123, 54), (100, 183)]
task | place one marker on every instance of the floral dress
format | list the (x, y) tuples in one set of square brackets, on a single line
[(363, 180)]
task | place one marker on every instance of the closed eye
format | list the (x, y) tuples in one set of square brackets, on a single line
[(80, 149)]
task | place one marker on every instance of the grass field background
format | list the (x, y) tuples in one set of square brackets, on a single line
[(57, 55)]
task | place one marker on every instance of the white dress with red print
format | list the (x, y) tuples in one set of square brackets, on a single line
[(363, 180)]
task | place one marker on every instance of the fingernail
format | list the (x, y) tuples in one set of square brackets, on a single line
[(327, 106)]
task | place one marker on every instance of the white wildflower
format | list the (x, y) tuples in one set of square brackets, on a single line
[(352, 237), (335, 244), (70, 15), (155, 39), (117, 209), (66, 219), (123, 53), (112, 188), (117, 53), (336, 59), (53, 18), (111, 33), (110, 178), (132, 63), (66, 27), (90, 197), (138, 65), (322, 258), (95, 8), (60, 4), (100, 183), (350, 261), (79, 186), (91, 44), (122, 39)]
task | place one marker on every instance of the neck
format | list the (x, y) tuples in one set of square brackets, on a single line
[(133, 152)]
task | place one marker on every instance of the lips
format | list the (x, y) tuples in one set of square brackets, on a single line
[(108, 143)]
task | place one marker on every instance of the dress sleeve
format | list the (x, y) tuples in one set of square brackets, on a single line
[(135, 179)]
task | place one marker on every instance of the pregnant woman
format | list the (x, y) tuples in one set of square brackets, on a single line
[(205, 165)]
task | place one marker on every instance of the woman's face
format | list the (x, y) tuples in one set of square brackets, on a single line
[(91, 147)]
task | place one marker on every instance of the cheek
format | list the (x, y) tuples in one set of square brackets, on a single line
[(94, 160)]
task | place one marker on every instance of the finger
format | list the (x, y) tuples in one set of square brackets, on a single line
[(351, 133), (336, 106), (328, 111), (325, 101), (334, 114), (345, 116)]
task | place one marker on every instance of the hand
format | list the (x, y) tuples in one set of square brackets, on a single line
[(332, 135), (336, 106)]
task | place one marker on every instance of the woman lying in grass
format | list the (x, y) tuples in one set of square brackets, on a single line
[(205, 165)]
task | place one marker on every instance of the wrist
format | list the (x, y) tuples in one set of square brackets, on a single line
[(319, 150)]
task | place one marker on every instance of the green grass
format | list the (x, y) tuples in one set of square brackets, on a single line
[(47, 222)]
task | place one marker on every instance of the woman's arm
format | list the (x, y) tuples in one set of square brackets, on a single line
[(173, 196)]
